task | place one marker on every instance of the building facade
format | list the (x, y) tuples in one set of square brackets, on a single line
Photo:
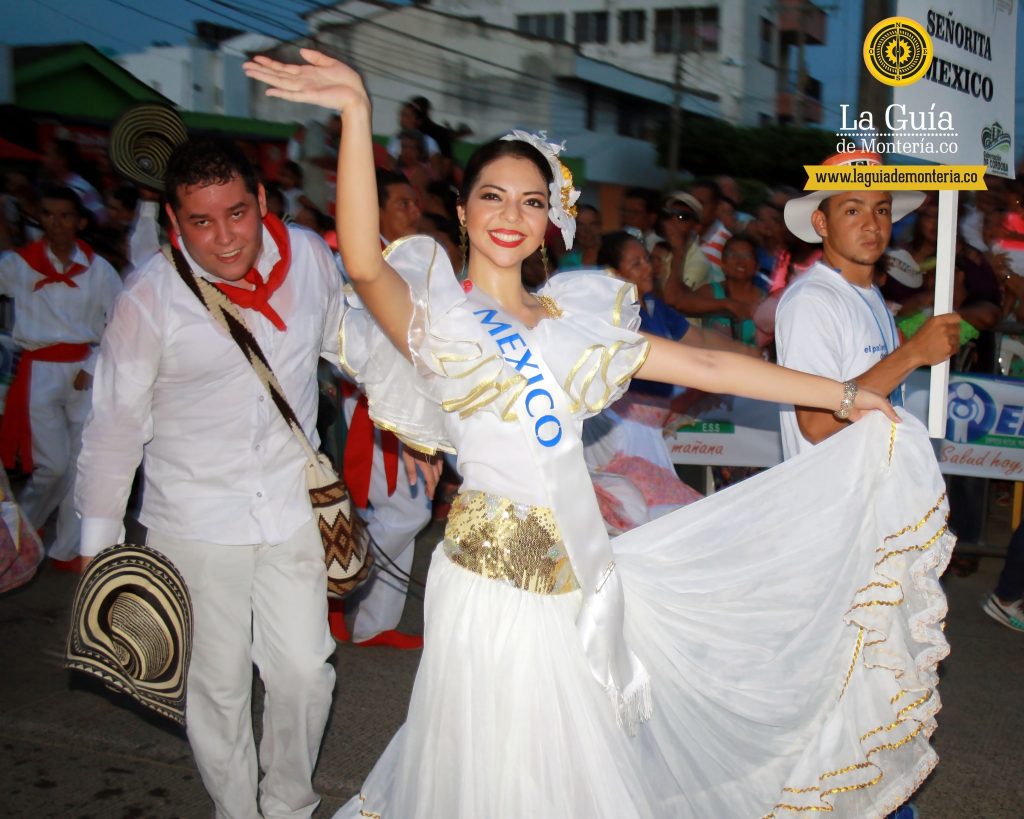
[(484, 79), (745, 53)]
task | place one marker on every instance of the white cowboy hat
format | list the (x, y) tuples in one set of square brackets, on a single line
[(798, 211)]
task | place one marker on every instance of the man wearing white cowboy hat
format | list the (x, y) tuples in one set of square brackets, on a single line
[(834, 321)]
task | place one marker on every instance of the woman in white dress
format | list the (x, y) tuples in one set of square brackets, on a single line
[(769, 651)]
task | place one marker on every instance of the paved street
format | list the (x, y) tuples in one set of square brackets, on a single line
[(69, 749)]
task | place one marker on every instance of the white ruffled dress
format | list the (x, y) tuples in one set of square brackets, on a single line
[(791, 624)]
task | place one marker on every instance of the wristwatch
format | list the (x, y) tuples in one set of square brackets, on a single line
[(849, 395)]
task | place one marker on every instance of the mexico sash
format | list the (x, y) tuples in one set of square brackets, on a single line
[(554, 444)]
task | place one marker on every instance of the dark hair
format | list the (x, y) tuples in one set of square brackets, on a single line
[(447, 195), (273, 193), (66, 194), (612, 246), (207, 161), (294, 168), (649, 197), (740, 238), (711, 185), (386, 180), (422, 104), (498, 149), (443, 225), (67, 150), (127, 195), (586, 209)]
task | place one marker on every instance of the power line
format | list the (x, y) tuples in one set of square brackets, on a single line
[(150, 16), (83, 24)]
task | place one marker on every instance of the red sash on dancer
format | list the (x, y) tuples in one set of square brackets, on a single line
[(259, 297), (358, 460), (38, 259), (16, 427)]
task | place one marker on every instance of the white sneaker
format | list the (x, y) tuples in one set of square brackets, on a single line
[(1009, 614)]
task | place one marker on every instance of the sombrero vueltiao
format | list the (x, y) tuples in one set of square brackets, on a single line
[(131, 626), (141, 141), (798, 211)]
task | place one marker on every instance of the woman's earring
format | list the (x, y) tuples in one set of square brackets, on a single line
[(464, 243), (544, 258)]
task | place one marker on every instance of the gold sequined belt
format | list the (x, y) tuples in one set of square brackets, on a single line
[(512, 542)]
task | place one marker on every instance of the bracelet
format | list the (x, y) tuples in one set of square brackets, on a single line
[(849, 394)]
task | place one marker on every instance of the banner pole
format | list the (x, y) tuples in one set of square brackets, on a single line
[(944, 262)]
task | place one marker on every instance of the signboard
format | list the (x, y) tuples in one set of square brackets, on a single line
[(984, 431), (965, 99)]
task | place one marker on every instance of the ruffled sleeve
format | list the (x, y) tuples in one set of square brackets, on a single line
[(401, 395), (595, 346), (457, 368)]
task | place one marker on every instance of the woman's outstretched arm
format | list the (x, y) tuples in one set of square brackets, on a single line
[(722, 372), (331, 84)]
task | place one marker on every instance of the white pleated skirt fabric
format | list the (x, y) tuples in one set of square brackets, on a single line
[(791, 625)]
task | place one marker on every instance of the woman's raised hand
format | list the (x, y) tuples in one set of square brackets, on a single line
[(322, 81), (866, 401)]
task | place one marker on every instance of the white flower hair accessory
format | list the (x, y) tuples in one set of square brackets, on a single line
[(563, 196)]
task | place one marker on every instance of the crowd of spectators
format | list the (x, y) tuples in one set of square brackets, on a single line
[(717, 250)]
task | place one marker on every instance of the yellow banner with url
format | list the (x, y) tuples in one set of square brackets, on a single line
[(895, 177)]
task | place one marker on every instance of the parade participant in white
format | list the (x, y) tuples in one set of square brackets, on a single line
[(394, 509), (225, 495), (741, 668), (63, 295), (833, 321)]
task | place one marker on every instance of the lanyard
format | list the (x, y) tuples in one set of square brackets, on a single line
[(896, 396)]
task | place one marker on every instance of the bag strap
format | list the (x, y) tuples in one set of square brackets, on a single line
[(226, 314)]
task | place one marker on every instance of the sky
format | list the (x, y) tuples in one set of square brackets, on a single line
[(125, 26)]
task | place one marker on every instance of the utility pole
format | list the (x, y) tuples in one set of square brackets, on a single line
[(801, 64), (675, 127), (872, 95)]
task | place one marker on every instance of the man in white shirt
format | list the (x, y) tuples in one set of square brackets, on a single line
[(225, 497), (833, 321), (63, 296), (394, 509)]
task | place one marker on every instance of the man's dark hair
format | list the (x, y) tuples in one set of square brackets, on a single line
[(423, 104), (386, 180), (127, 195), (66, 194), (649, 197), (205, 162), (709, 184), (295, 169)]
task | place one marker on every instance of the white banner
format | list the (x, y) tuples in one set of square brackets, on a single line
[(971, 77), (984, 431)]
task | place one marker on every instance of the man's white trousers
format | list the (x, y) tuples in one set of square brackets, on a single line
[(264, 604)]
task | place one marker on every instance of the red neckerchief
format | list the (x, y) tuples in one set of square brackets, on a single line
[(38, 259), (259, 297)]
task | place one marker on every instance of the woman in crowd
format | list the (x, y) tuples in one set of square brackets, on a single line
[(719, 661), (739, 264)]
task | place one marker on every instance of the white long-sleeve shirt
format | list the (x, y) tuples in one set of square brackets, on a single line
[(57, 313), (171, 387)]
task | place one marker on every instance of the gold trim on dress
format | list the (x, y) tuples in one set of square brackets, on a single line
[(516, 543), (918, 723)]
